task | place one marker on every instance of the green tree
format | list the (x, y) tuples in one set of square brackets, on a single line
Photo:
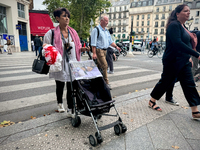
[(81, 12)]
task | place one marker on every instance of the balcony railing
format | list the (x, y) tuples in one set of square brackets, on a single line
[(161, 32), (156, 18), (156, 26), (155, 32)]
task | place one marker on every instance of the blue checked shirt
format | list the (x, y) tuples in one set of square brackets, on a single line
[(104, 40)]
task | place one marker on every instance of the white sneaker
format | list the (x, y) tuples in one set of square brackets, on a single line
[(61, 108), (69, 114), (111, 72)]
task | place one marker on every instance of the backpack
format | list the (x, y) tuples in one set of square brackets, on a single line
[(90, 38)]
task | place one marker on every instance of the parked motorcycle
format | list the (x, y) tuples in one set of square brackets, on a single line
[(123, 50)]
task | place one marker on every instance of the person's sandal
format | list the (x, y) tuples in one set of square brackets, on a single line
[(157, 108), (196, 115)]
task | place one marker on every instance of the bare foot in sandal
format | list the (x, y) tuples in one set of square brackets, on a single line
[(153, 106)]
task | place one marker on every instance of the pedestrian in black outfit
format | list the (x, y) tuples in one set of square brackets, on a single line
[(37, 43), (196, 62), (109, 55), (176, 64)]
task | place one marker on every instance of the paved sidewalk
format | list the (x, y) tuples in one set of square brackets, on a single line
[(147, 129)]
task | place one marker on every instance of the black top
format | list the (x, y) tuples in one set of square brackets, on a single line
[(198, 44), (37, 42), (178, 46)]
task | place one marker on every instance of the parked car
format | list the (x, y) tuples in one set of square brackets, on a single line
[(137, 46)]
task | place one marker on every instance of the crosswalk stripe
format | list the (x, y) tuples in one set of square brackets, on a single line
[(33, 76), (25, 86), (15, 71), (127, 72), (129, 81), (27, 101), (16, 67)]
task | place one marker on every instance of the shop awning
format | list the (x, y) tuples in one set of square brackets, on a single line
[(40, 23)]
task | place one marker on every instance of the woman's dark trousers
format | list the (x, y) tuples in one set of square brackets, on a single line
[(109, 58), (59, 93), (170, 75)]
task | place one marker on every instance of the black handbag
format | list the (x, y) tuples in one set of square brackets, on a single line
[(40, 65)]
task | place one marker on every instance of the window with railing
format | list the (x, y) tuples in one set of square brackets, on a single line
[(147, 30), (142, 16), (131, 18), (156, 31), (144, 3), (120, 9), (114, 16), (119, 23), (3, 20), (119, 15), (124, 22), (196, 21), (142, 23), (197, 13), (164, 8), (133, 4), (162, 31), (150, 2), (147, 23), (162, 24), (170, 8), (124, 15), (163, 16), (156, 24), (139, 4), (137, 23), (21, 11), (148, 16), (142, 30), (138, 17), (156, 17), (157, 9), (119, 29), (137, 30)]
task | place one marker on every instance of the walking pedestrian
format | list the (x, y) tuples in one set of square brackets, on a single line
[(176, 64), (196, 62), (8, 46), (110, 53), (37, 43), (40, 48), (32, 46), (100, 46), (143, 44), (63, 32)]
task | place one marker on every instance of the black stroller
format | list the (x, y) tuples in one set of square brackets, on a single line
[(91, 97)]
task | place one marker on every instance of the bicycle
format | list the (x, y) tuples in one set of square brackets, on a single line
[(157, 51)]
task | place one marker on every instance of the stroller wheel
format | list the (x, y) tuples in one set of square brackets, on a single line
[(118, 129), (93, 140), (76, 121), (99, 116), (124, 128), (99, 138)]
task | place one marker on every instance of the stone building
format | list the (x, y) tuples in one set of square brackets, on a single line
[(14, 23)]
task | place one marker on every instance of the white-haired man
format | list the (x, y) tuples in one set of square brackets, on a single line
[(100, 44)]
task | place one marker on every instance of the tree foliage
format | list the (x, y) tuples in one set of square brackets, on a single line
[(82, 11)]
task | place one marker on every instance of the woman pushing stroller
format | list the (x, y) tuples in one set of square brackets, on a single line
[(63, 33)]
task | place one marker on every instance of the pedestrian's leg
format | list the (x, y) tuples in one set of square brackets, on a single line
[(108, 58), (69, 94), (189, 88), (101, 58), (195, 65), (59, 91)]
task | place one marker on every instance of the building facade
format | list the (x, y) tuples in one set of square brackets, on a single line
[(141, 16), (162, 10), (118, 15), (14, 23)]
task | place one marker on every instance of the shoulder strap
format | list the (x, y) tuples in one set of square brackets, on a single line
[(52, 37), (97, 31)]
